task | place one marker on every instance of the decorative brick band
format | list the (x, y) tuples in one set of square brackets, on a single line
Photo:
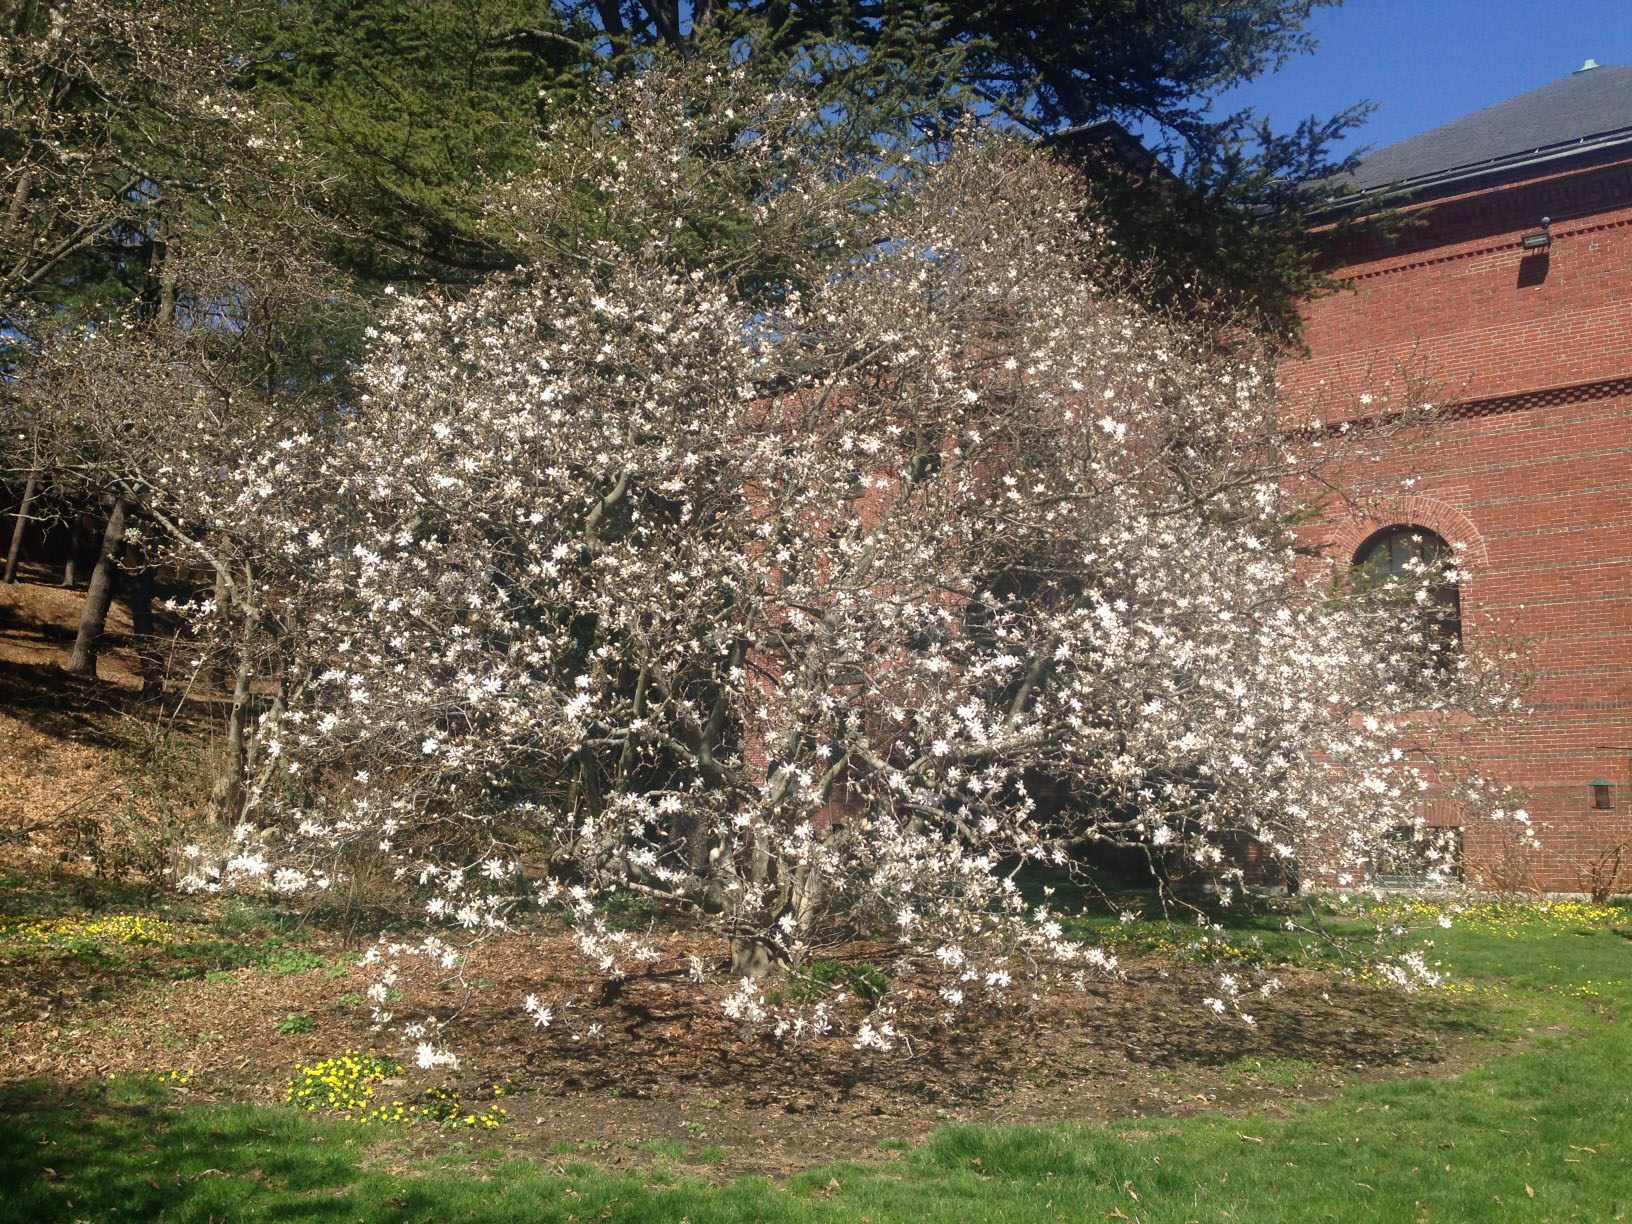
[(1511, 244), (1523, 401), (1496, 405)]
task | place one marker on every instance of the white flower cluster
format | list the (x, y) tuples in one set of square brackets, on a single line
[(820, 607), (244, 862)]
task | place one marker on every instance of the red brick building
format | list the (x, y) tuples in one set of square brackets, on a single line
[(1512, 291)]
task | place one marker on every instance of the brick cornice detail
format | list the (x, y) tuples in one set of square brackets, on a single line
[(1575, 194), (1547, 397), (1486, 249)]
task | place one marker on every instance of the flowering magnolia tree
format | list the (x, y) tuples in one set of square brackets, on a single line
[(821, 604)]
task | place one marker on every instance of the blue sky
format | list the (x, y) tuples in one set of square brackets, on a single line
[(1427, 62)]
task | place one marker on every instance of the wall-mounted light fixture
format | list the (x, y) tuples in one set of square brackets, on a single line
[(1600, 794), (1539, 239)]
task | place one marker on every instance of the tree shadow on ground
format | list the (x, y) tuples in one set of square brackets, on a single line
[(104, 1152), (36, 895), (80, 711), (95, 712)]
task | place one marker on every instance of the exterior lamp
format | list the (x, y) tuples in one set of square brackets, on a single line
[(1538, 239), (1600, 793)]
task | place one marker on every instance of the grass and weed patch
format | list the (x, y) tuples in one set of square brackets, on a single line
[(1276, 1072), (822, 979), (1538, 1135), (142, 945)]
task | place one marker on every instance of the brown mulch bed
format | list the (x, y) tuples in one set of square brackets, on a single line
[(667, 1067)]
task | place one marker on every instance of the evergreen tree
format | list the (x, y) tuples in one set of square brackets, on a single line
[(417, 107), (1220, 227), (420, 108)]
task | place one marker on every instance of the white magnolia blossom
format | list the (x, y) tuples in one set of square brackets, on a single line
[(821, 605)]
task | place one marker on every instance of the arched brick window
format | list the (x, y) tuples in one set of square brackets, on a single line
[(1404, 552)]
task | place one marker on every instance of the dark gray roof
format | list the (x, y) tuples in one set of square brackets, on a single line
[(1558, 118)]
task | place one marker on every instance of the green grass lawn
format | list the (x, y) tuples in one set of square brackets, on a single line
[(1542, 1134)]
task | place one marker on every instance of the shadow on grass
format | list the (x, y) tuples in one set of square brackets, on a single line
[(105, 1152), (117, 1152)]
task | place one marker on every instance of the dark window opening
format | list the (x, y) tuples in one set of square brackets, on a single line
[(1407, 555)]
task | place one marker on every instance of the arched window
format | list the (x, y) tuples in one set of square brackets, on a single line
[(1403, 554)]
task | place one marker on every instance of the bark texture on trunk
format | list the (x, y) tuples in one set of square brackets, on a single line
[(21, 525), (227, 795), (138, 596), (750, 958), (99, 594), (221, 674)]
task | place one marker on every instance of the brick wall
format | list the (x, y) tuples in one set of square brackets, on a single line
[(1531, 473), (1456, 298)]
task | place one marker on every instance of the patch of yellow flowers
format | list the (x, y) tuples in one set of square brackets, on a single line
[(115, 929), (346, 1085), (1511, 917)]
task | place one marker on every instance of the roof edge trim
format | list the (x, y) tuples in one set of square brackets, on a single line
[(1471, 171)]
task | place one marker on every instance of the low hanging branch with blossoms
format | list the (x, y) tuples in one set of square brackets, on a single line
[(818, 605)]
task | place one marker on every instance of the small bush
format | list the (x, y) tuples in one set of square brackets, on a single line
[(294, 960), (824, 977)]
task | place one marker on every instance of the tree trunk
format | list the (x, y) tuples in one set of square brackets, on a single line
[(227, 795), (257, 765), (22, 523), (807, 897), (138, 595), (750, 958), (76, 532), (99, 594), (220, 674)]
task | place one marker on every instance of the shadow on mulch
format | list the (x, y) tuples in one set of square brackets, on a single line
[(96, 713), (66, 707), (38, 895), (79, 709), (658, 1037)]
